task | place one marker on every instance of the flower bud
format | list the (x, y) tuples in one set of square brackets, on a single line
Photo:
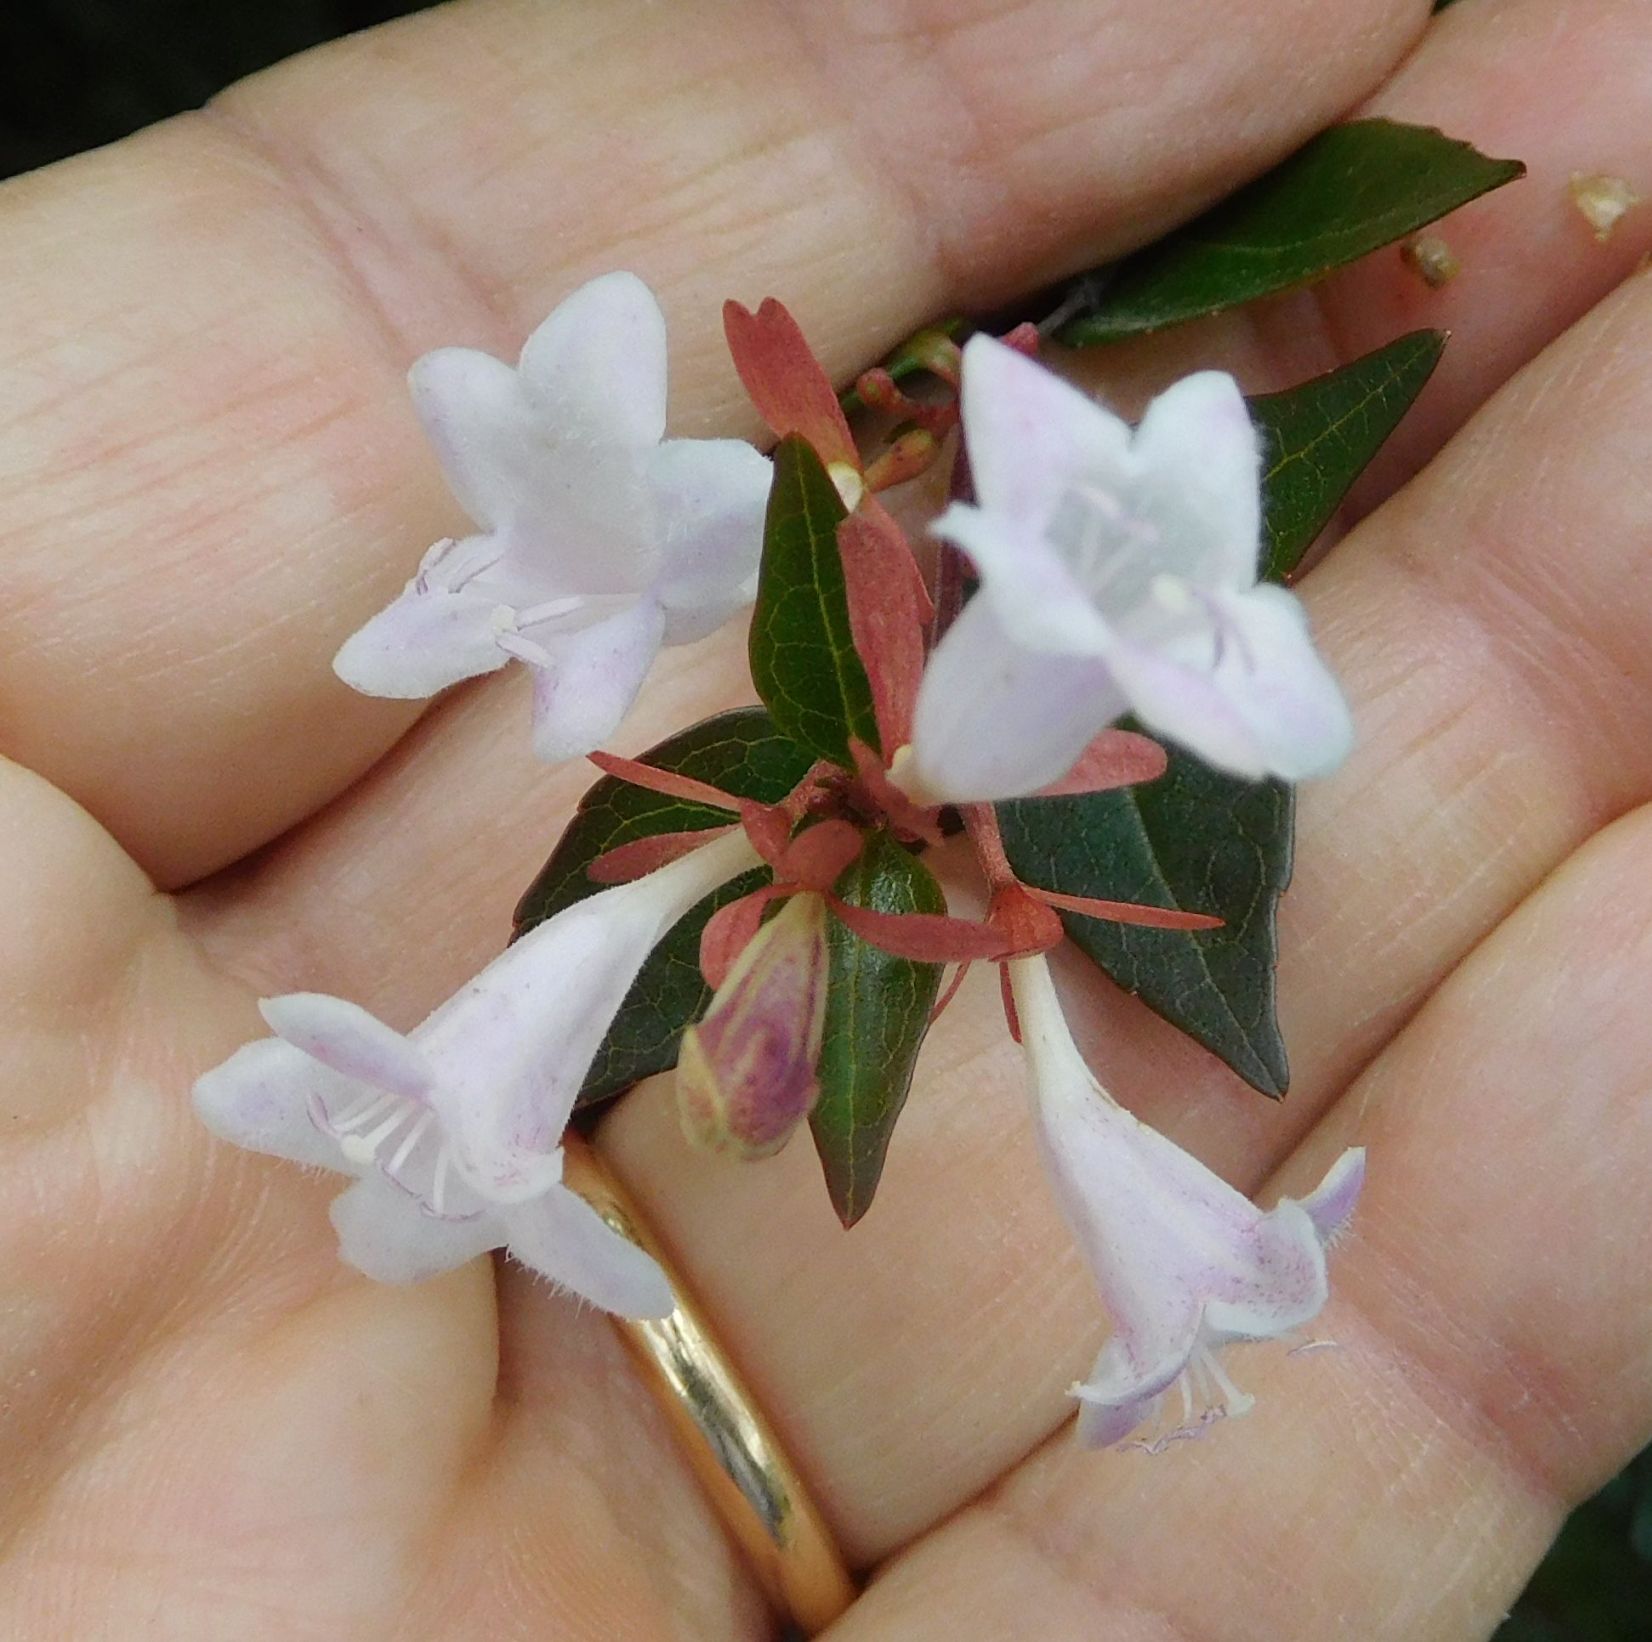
[(746, 1072)]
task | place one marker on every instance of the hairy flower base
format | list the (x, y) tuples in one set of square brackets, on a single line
[(1185, 1264)]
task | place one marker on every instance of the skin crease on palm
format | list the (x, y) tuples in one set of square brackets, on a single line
[(211, 475)]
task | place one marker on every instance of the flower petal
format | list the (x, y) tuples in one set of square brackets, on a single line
[(484, 430), (1269, 705), (1331, 1204), (512, 1049), (596, 368), (562, 1237), (344, 1036), (1031, 435), (1199, 481), (589, 679), (385, 1235), (1281, 1284), (422, 643), (261, 1098), (711, 496), (1123, 1387), (1039, 601), (996, 720)]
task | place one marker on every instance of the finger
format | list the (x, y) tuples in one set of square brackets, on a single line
[(212, 474), (1493, 1318), (1495, 739), (205, 1410), (1530, 79)]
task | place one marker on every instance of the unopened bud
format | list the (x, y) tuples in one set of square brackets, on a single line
[(746, 1072)]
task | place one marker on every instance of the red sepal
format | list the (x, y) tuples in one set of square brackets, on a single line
[(1116, 758), (927, 937), (1126, 912), (951, 992), (667, 782), (1025, 922), (888, 611), (728, 930), (768, 827), (787, 384), (626, 862), (818, 856), (1011, 1018)]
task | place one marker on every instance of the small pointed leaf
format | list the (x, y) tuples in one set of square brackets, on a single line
[(742, 753), (803, 659), (1194, 840), (877, 1012), (1348, 192), (1318, 438)]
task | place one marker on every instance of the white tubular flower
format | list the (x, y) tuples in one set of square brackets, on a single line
[(598, 539), (453, 1131), (1118, 574), (1184, 1263)]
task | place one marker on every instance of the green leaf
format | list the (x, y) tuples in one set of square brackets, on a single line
[(1197, 841), (877, 1012), (803, 659), (742, 753), (1318, 438), (1348, 192)]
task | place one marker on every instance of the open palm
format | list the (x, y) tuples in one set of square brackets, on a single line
[(210, 475)]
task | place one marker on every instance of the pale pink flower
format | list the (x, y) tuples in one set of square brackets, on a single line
[(1184, 1263), (1118, 574), (454, 1130), (598, 539)]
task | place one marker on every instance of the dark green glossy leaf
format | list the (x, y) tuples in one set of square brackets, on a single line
[(803, 659), (742, 753), (1348, 192), (1318, 438), (877, 1012), (1197, 841)]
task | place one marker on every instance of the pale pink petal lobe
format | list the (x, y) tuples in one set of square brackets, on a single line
[(589, 678), (422, 643), (263, 1097), (597, 367), (344, 1036), (385, 1235), (562, 1237)]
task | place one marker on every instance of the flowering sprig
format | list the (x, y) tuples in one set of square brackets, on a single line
[(970, 681)]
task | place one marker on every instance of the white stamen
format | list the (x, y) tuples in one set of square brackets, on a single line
[(364, 1148), (404, 1151), (1235, 1403), (364, 1111), (551, 610)]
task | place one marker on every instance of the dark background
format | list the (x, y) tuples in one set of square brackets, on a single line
[(77, 73)]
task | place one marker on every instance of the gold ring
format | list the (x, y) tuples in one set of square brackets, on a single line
[(756, 1490)]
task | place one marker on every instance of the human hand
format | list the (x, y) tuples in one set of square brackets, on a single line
[(213, 476)]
